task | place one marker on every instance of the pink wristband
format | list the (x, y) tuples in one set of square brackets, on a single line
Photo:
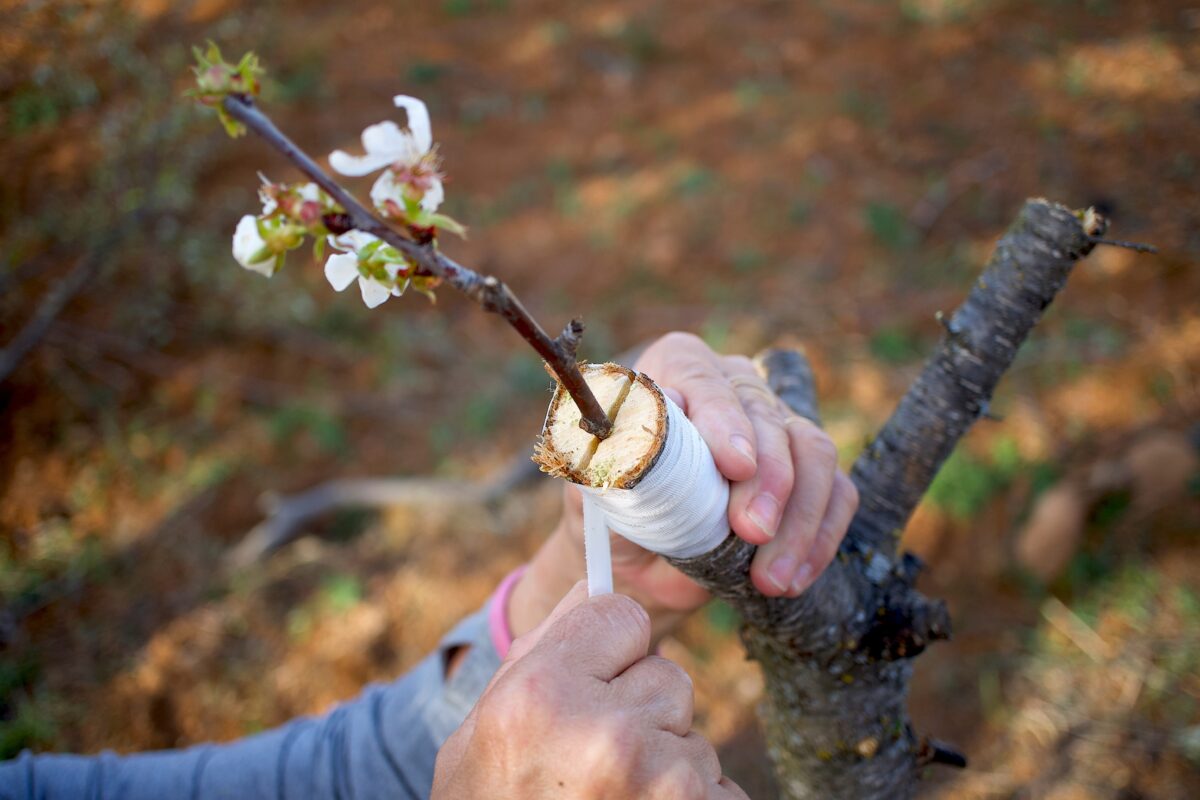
[(498, 626)]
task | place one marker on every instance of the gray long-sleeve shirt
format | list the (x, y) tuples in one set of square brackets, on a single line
[(381, 744)]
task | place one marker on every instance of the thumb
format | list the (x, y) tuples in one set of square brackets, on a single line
[(601, 636)]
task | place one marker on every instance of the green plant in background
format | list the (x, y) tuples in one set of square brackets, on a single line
[(694, 180), (426, 73), (897, 345), (722, 617), (337, 594), (31, 725), (325, 428), (889, 226), (966, 483)]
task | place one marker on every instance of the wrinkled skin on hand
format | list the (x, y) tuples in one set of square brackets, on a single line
[(578, 711)]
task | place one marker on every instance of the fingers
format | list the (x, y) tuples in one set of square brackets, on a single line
[(781, 566), (786, 494), (703, 758), (694, 773), (728, 790), (662, 690), (601, 637), (842, 505), (690, 367), (756, 505)]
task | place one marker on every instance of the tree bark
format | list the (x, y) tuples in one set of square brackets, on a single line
[(837, 660)]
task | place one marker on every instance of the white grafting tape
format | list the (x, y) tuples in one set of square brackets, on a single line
[(678, 509)]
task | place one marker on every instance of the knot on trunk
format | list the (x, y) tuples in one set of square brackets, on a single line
[(905, 623)]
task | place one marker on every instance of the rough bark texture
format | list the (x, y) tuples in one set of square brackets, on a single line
[(837, 660)]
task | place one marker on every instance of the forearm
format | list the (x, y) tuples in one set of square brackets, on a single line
[(381, 744)]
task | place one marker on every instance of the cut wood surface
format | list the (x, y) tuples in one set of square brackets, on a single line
[(638, 412)]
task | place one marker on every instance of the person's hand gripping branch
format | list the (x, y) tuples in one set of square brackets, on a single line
[(787, 494)]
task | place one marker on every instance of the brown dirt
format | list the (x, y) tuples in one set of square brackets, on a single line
[(825, 173)]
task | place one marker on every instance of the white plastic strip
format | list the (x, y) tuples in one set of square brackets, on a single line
[(597, 550), (678, 509)]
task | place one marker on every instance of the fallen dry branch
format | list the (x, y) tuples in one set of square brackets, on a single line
[(287, 515)]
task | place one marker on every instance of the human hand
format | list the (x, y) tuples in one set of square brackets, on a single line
[(578, 711), (786, 494)]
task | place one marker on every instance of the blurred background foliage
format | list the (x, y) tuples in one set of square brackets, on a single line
[(824, 173)]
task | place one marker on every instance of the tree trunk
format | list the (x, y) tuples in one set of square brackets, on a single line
[(837, 660)]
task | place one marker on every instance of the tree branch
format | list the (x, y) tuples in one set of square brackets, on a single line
[(60, 294), (791, 378), (489, 292), (1029, 266), (837, 660)]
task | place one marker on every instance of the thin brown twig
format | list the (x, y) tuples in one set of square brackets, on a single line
[(63, 292), (489, 292), (1138, 246)]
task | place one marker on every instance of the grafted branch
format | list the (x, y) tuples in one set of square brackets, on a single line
[(489, 292), (837, 659)]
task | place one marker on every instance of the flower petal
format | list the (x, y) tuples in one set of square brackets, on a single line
[(386, 138), (384, 144), (246, 239), (341, 269), (353, 240), (386, 188), (418, 121), (249, 247), (373, 292), (266, 268), (434, 196), (357, 166)]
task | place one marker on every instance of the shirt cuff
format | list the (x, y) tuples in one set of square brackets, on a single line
[(498, 626)]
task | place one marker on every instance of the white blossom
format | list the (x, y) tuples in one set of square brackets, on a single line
[(250, 249), (405, 155), (342, 268), (387, 187)]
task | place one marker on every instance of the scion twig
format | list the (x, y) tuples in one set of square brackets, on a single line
[(489, 292)]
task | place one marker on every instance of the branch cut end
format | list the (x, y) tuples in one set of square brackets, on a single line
[(638, 412)]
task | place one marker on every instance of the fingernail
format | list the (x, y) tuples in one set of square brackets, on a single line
[(764, 512), (802, 579), (743, 446), (780, 571)]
